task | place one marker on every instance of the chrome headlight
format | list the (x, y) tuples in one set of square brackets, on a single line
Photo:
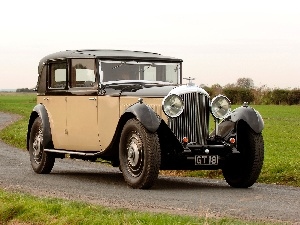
[(220, 106), (172, 105)]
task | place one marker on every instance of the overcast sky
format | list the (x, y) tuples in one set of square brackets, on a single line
[(219, 41)]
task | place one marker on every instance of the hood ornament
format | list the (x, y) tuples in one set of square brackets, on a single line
[(190, 83)]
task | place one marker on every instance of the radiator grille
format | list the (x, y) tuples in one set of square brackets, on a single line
[(193, 122)]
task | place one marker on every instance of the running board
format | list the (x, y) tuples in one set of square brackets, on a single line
[(72, 152)]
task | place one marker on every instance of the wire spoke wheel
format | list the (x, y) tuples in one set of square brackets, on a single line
[(38, 147), (41, 161), (135, 155), (139, 155)]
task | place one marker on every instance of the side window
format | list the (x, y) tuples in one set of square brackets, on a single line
[(83, 73), (58, 75)]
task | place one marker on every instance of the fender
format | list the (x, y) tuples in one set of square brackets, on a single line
[(40, 111), (145, 115), (247, 114)]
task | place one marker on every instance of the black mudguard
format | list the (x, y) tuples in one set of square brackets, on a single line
[(245, 113), (40, 111), (145, 115), (250, 116)]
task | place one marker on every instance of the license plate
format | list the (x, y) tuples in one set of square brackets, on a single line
[(206, 160)]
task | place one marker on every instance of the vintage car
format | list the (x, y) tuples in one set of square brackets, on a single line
[(131, 109)]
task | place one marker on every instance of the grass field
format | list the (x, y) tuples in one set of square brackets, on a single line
[(21, 104), (16, 208), (282, 144), (281, 166)]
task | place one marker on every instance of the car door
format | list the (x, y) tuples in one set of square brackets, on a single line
[(82, 107), (54, 101)]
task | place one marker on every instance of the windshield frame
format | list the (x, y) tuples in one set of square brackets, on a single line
[(149, 63)]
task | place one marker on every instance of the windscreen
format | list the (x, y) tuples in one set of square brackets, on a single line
[(132, 70)]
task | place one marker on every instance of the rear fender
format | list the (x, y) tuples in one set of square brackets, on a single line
[(40, 111)]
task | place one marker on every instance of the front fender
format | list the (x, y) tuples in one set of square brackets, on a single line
[(249, 115), (40, 111), (145, 115)]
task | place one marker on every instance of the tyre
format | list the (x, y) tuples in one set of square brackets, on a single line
[(242, 170), (139, 155), (41, 162)]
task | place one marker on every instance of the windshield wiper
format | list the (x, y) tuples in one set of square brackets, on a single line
[(143, 70), (124, 86), (117, 66)]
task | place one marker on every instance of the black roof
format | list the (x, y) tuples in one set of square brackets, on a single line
[(107, 54)]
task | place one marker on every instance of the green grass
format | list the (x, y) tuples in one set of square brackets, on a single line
[(282, 144), (18, 103), (21, 104), (17, 207)]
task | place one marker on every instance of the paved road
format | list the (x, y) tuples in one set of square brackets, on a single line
[(103, 184)]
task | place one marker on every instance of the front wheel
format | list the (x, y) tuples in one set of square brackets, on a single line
[(242, 170), (139, 155), (41, 161)]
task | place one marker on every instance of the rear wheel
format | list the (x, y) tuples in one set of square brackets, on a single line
[(242, 170), (41, 161), (139, 154)]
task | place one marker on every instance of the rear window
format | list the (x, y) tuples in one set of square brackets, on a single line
[(58, 75)]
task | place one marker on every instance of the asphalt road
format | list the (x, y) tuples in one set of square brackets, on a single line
[(103, 184)]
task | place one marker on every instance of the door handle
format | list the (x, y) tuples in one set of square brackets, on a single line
[(93, 99)]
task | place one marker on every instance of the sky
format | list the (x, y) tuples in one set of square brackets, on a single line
[(219, 41)]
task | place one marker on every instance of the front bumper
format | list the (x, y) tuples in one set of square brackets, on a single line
[(189, 158)]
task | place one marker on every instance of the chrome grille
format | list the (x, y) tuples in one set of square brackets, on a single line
[(193, 122)]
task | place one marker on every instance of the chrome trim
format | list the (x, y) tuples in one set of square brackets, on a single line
[(193, 122), (72, 152), (186, 89)]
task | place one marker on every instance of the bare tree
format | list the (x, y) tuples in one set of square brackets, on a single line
[(245, 83)]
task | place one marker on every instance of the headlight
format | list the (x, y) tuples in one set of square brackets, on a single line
[(220, 106), (172, 105)]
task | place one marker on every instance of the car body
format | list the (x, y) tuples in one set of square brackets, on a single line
[(130, 108)]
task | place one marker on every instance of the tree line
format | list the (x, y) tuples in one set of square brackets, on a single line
[(25, 90), (244, 91)]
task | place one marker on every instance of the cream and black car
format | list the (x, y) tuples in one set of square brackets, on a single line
[(131, 109)]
